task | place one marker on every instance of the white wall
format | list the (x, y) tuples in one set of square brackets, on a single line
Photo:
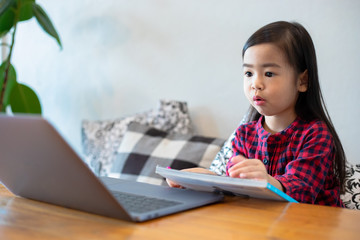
[(121, 56)]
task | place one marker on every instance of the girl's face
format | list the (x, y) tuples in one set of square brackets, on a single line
[(271, 85)]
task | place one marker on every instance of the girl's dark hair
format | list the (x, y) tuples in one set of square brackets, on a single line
[(296, 44)]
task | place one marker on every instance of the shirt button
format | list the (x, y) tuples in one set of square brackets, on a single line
[(265, 161)]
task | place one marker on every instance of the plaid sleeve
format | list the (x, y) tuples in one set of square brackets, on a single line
[(221, 159), (244, 137), (305, 176), (236, 145)]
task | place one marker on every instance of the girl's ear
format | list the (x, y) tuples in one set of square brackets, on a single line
[(303, 81)]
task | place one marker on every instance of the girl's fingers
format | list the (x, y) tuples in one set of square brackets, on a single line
[(249, 168), (173, 184), (254, 175), (245, 163), (237, 171), (237, 159)]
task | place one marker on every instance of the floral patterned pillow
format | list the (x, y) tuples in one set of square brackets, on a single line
[(101, 139), (351, 197), (222, 157)]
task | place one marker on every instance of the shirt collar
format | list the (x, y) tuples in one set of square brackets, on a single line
[(280, 136)]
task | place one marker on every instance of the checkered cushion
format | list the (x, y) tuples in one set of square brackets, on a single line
[(143, 147), (101, 139)]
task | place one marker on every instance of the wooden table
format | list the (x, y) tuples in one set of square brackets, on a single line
[(235, 218)]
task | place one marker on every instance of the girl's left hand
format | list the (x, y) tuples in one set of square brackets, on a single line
[(195, 170), (248, 168)]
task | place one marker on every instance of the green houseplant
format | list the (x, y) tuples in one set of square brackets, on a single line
[(19, 97)]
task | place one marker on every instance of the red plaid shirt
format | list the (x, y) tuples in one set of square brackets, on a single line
[(300, 158)]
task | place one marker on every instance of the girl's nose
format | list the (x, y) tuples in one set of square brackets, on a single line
[(257, 84)]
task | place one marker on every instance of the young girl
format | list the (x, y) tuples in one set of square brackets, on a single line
[(289, 139)]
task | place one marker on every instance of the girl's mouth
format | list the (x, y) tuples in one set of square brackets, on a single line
[(258, 100)]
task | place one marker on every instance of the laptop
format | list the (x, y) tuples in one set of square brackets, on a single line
[(37, 163)]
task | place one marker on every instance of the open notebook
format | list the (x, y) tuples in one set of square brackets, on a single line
[(213, 183)]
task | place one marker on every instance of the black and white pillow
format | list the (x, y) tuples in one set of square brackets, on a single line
[(101, 139), (351, 197), (143, 147)]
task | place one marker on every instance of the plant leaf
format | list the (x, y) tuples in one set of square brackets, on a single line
[(24, 100), (9, 85), (45, 22), (25, 11), (7, 20), (5, 5)]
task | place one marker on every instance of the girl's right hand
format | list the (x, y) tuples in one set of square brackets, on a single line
[(242, 167), (195, 170)]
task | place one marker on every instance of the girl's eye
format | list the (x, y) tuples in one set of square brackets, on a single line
[(248, 74), (269, 74)]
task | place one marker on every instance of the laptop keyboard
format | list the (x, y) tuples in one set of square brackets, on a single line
[(142, 204)]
